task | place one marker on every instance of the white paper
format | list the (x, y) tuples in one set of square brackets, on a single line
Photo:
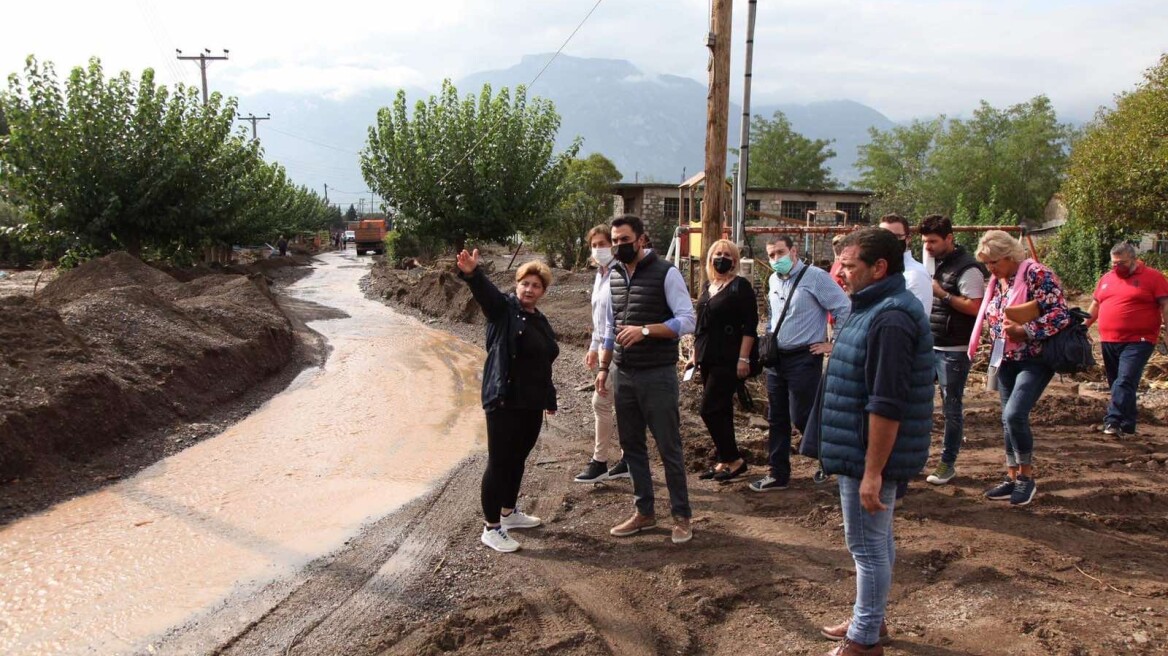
[(689, 372), (998, 352)]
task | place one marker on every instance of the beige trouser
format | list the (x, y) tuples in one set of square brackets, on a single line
[(607, 447)]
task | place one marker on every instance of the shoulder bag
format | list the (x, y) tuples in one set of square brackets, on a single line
[(769, 349)]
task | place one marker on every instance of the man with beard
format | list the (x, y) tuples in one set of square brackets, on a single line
[(874, 422), (650, 309), (1130, 301)]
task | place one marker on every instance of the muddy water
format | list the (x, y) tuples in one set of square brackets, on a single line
[(393, 409)]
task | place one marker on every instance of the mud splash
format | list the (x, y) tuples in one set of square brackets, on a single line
[(393, 409)]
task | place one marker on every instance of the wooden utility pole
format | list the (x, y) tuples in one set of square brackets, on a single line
[(203, 58), (253, 119), (717, 115)]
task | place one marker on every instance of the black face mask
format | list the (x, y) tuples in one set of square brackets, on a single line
[(626, 253), (723, 264), (903, 245)]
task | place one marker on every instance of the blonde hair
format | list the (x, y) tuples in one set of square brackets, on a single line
[(996, 244), (535, 268), (727, 245)]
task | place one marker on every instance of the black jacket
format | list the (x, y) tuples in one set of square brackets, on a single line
[(505, 322)]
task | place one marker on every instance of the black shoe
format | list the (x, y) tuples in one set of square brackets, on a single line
[(727, 475), (595, 472), (708, 474), (619, 470)]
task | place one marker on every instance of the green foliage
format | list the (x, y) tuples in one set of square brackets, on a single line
[(989, 213), (117, 164), (1012, 158), (1118, 171), (477, 168), (351, 214), (587, 201), (781, 157), (400, 245), (1081, 252)]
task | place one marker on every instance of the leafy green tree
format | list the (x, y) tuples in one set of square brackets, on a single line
[(1118, 172), (587, 201), (477, 168), (1011, 158), (781, 157), (351, 214)]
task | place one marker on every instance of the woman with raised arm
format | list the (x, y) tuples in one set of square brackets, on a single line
[(517, 389)]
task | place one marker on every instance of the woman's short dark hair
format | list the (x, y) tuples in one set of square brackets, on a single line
[(936, 224), (631, 220), (877, 244)]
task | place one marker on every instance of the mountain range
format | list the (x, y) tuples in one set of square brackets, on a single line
[(651, 126)]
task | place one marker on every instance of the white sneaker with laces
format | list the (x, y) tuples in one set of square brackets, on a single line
[(497, 539), (519, 519)]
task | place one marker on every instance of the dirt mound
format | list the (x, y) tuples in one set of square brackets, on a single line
[(109, 348), (440, 294)]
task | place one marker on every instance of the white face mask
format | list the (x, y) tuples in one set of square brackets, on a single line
[(602, 255)]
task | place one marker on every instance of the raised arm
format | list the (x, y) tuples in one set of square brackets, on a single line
[(492, 301)]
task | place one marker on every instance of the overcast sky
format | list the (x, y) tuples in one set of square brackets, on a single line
[(906, 58)]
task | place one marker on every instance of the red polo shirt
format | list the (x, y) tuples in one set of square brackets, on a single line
[(1129, 308)]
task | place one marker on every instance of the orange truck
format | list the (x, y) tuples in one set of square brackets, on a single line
[(370, 236)]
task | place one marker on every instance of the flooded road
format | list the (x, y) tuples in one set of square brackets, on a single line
[(392, 410)]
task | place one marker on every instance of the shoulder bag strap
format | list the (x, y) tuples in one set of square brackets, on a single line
[(787, 302)]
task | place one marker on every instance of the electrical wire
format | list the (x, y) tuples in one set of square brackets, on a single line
[(551, 59), (312, 141)]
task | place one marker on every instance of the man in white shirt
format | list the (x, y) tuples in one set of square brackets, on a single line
[(916, 276)]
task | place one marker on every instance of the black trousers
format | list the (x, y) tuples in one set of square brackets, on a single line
[(719, 383), (511, 434)]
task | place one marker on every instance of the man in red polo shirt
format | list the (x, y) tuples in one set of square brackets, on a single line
[(1130, 304)]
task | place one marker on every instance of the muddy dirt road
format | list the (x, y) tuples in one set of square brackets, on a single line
[(386, 417)]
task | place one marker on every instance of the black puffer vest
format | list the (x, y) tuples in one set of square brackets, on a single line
[(641, 302), (950, 327)]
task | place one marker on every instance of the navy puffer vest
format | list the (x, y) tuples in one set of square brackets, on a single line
[(843, 427), (641, 302)]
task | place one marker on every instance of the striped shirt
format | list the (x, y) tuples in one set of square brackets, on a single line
[(817, 295)]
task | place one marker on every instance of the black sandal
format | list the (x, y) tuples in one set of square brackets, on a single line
[(726, 475), (708, 474)]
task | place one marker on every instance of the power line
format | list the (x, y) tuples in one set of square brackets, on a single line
[(202, 58), (314, 142), (253, 119), (535, 79)]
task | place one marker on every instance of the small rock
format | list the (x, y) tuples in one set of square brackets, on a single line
[(1140, 637)]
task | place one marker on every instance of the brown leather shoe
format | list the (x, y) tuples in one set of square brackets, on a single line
[(849, 648), (633, 525), (682, 531), (840, 631)]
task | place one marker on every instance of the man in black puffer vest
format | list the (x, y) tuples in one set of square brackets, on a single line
[(958, 287), (651, 309)]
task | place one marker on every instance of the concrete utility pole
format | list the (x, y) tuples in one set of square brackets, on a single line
[(326, 193), (744, 136), (254, 119), (717, 111), (202, 58)]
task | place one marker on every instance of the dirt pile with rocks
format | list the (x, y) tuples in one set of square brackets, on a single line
[(117, 346)]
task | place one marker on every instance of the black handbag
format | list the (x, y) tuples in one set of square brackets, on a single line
[(768, 351)]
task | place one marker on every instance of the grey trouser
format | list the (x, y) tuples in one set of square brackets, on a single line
[(649, 398)]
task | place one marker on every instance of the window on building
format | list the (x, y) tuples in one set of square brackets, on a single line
[(796, 209), (753, 206), (857, 212), (672, 208)]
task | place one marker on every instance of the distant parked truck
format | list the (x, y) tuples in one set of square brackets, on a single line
[(370, 236)]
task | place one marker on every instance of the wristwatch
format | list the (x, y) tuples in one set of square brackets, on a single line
[(645, 330)]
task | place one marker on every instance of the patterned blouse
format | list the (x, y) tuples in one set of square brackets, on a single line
[(1053, 315)]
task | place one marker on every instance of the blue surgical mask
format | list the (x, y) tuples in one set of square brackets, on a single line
[(783, 265)]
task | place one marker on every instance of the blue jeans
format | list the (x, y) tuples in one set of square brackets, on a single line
[(873, 547), (791, 391), (952, 368), (1124, 363), (1020, 384)]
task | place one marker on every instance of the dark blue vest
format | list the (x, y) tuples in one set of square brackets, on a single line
[(843, 428)]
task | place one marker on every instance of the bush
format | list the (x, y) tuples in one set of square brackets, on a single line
[(1080, 253), (400, 244)]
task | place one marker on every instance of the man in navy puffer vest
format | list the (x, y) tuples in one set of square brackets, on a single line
[(874, 422)]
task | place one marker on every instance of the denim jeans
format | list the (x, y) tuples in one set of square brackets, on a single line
[(649, 398), (952, 368), (791, 391), (870, 540), (1124, 363), (1020, 384)]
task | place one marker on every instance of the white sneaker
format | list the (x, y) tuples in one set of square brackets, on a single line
[(519, 519), (497, 539)]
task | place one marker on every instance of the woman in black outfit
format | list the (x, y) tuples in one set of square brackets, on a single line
[(727, 325), (517, 389)]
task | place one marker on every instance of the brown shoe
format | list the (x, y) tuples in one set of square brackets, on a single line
[(840, 631), (849, 648), (633, 525), (682, 531)]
